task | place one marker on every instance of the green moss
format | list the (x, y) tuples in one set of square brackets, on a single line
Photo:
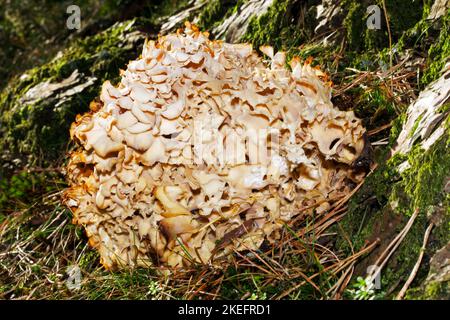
[(397, 126), (415, 125), (402, 15), (424, 181), (439, 53), (375, 106), (288, 26), (216, 11), (153, 10), (276, 27), (354, 23), (419, 34), (444, 108), (24, 190), (434, 290), (431, 36), (21, 187)]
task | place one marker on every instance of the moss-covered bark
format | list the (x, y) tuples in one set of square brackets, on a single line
[(35, 123), (35, 131), (402, 15), (387, 199), (439, 51), (33, 31), (216, 11), (284, 26)]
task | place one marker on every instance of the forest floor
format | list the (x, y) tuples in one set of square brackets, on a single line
[(320, 256)]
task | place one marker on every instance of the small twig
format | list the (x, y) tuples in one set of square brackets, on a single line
[(413, 274), (381, 142), (375, 131)]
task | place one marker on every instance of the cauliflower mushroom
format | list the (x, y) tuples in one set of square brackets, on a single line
[(204, 148)]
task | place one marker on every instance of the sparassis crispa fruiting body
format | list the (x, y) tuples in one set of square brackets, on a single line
[(204, 148)]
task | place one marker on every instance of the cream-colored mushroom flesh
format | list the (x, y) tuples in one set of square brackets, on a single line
[(205, 148)]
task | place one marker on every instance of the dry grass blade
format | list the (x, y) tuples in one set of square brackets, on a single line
[(335, 268)]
